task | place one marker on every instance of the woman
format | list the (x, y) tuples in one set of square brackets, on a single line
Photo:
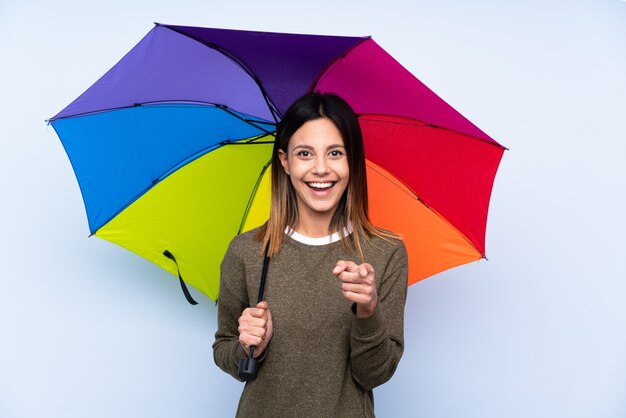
[(330, 327)]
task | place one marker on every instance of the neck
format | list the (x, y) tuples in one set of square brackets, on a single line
[(313, 226)]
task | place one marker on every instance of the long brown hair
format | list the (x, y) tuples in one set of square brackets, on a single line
[(352, 207)]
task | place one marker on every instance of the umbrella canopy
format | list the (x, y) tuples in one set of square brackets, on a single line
[(171, 146)]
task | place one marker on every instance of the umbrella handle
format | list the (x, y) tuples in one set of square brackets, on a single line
[(249, 367)]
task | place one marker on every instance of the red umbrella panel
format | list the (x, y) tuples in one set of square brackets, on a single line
[(431, 170)]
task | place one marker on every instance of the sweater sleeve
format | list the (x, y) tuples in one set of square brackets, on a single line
[(377, 342), (227, 351)]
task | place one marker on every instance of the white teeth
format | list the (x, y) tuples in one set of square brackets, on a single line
[(320, 185)]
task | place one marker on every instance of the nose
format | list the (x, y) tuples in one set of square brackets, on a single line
[(321, 166)]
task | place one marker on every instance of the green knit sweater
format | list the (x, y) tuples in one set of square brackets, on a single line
[(322, 361)]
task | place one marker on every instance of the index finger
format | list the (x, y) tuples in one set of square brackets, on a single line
[(343, 265), (259, 310)]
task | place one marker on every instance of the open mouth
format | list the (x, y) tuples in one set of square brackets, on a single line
[(321, 186)]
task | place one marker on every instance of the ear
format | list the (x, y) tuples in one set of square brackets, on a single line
[(282, 155)]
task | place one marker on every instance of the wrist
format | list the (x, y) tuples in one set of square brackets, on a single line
[(363, 311)]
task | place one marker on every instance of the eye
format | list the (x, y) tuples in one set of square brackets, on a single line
[(336, 153), (303, 153)]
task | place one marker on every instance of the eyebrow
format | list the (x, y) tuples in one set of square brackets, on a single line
[(308, 147)]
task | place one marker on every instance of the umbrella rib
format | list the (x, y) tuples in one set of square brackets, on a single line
[(162, 102), (93, 112), (228, 54), (394, 180), (417, 122), (246, 120), (254, 190), (250, 142), (406, 189), (328, 68)]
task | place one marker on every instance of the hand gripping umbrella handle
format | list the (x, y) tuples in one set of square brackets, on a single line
[(249, 367)]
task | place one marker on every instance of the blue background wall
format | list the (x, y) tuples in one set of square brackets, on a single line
[(90, 330)]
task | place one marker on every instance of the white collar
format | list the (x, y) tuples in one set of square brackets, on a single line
[(320, 240)]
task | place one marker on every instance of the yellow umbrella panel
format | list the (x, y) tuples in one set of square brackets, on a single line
[(194, 213)]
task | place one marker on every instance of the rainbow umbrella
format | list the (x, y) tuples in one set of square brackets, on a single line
[(171, 146)]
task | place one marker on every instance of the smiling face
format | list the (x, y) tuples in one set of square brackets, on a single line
[(317, 165)]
